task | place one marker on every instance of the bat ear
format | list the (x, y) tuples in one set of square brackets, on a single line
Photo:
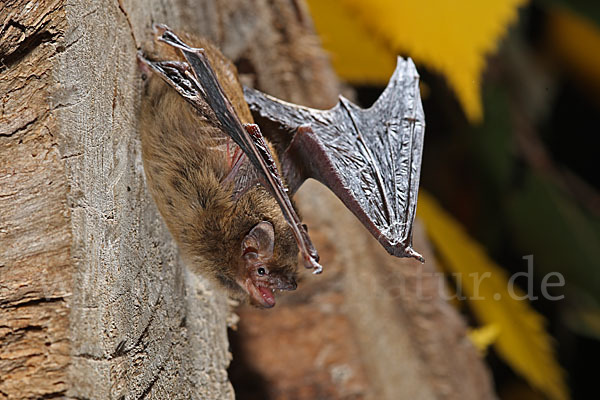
[(260, 240)]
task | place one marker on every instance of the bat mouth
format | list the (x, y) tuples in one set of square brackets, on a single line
[(261, 296)]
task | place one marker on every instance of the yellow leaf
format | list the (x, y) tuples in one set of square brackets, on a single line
[(355, 54), (522, 340), (571, 38), (483, 337), (451, 37)]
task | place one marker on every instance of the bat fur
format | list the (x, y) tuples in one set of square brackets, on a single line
[(186, 162)]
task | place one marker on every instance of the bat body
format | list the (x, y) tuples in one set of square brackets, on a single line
[(187, 160), (219, 183)]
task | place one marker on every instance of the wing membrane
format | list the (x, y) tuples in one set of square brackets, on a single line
[(370, 158)]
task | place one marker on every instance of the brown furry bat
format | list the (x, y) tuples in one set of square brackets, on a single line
[(243, 243), (216, 179)]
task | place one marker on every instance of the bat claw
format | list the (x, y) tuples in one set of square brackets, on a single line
[(413, 254), (318, 268), (159, 29), (312, 263)]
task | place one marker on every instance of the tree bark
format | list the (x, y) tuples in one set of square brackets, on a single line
[(94, 300)]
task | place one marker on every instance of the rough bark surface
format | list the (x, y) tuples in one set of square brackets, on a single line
[(35, 233), (94, 301)]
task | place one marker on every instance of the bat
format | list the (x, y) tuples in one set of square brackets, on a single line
[(225, 190)]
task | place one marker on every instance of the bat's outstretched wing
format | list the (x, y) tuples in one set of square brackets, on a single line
[(370, 158), (196, 81)]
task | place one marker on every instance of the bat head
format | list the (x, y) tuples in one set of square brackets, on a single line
[(261, 270)]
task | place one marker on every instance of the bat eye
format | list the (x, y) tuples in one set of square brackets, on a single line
[(261, 271)]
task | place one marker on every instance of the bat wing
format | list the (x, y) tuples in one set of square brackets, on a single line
[(370, 158), (196, 81)]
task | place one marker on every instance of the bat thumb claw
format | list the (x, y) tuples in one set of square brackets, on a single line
[(413, 254), (159, 29), (311, 263)]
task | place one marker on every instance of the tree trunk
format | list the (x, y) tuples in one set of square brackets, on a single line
[(94, 300)]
